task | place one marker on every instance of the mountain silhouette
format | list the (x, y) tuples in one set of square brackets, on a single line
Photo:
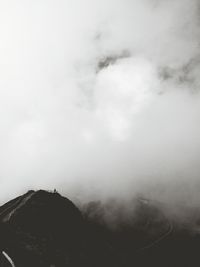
[(40, 229)]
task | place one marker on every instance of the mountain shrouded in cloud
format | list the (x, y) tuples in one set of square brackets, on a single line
[(100, 98), (43, 229)]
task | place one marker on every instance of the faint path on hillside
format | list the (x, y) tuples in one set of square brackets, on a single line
[(159, 239), (6, 211)]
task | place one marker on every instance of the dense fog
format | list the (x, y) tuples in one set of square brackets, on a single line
[(100, 99)]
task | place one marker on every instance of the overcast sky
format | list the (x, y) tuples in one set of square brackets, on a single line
[(100, 98)]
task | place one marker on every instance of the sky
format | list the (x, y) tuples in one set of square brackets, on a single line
[(100, 99)]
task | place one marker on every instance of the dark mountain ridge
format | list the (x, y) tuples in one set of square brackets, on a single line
[(42, 228)]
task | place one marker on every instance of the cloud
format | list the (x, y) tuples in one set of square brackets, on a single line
[(99, 98), (121, 91)]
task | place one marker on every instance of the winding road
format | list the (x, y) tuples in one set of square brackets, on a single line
[(8, 258), (160, 238)]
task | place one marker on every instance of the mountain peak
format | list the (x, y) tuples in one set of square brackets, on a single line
[(41, 210), (37, 224)]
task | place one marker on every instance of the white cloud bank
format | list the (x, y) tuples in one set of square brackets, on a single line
[(100, 98)]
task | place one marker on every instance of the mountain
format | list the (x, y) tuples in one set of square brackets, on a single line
[(40, 229), (45, 229)]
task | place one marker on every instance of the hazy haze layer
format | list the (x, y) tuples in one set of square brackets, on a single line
[(100, 98)]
